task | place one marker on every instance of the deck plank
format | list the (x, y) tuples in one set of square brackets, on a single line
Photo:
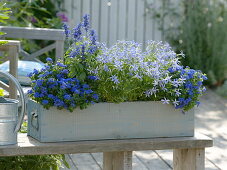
[(85, 161), (151, 160)]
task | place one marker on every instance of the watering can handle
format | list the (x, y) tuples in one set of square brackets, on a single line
[(16, 82)]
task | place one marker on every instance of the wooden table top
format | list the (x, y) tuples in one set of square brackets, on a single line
[(29, 146)]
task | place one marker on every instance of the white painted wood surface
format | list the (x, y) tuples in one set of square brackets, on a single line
[(116, 19), (56, 35), (109, 121), (33, 33)]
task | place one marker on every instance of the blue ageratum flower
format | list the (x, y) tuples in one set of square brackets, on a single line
[(45, 102), (49, 60), (53, 86), (67, 97)]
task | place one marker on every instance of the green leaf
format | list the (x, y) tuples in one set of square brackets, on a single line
[(65, 162), (3, 42), (4, 16), (82, 76)]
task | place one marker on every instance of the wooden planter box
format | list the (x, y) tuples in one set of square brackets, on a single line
[(109, 121)]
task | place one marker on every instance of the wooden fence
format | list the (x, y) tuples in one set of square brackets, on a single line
[(117, 19)]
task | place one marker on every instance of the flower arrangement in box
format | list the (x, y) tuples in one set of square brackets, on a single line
[(143, 84), (91, 73)]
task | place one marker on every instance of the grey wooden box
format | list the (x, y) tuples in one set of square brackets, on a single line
[(109, 121)]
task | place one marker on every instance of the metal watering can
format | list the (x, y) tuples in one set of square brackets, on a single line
[(10, 123)]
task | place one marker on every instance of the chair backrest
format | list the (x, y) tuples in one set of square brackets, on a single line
[(56, 35)]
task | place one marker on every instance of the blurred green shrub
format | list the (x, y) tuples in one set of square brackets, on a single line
[(4, 15), (222, 90), (198, 28), (36, 13)]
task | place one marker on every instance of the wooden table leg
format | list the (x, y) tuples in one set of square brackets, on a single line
[(117, 160), (189, 159)]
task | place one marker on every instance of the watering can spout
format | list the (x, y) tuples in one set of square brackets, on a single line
[(8, 106)]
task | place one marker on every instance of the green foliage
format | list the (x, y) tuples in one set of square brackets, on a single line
[(41, 14), (1, 92), (36, 13), (42, 162), (4, 12), (199, 29), (4, 15), (222, 90)]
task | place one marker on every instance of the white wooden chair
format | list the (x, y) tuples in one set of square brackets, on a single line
[(14, 48), (56, 35)]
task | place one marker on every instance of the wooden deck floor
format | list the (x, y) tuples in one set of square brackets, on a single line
[(211, 120)]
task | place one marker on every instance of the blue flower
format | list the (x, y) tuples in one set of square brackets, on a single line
[(51, 96), (89, 91), (45, 102), (75, 52), (93, 37), (92, 49), (67, 31), (85, 86), (49, 60), (95, 96), (75, 90), (36, 94), (204, 77), (86, 23), (92, 77), (114, 78), (30, 91), (58, 103), (165, 101), (77, 32), (199, 83), (65, 71), (60, 64), (171, 70), (67, 97), (30, 75), (35, 71), (41, 95), (39, 82)]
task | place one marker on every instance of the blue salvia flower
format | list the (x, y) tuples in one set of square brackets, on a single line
[(77, 33), (93, 37), (86, 23), (67, 31)]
